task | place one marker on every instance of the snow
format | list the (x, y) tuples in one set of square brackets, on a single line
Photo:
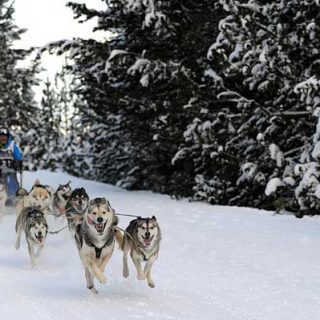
[(272, 186), (221, 263)]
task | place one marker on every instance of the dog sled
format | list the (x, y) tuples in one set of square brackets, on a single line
[(8, 176)]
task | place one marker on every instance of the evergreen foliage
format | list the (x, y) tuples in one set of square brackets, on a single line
[(17, 105), (217, 100)]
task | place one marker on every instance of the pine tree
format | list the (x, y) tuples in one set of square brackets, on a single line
[(263, 51), (17, 105), (138, 84)]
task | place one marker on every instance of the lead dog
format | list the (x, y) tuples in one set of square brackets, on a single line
[(142, 239), (32, 222), (95, 239)]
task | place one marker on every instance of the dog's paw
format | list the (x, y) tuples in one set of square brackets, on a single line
[(125, 273), (93, 290), (17, 245), (103, 279), (151, 284), (141, 276)]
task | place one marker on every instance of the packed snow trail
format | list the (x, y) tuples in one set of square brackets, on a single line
[(220, 263)]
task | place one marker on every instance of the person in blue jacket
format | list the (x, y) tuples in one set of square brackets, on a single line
[(11, 161)]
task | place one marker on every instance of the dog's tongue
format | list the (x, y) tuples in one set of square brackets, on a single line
[(147, 241), (99, 227)]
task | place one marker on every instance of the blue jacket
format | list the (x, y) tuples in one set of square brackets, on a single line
[(11, 149)]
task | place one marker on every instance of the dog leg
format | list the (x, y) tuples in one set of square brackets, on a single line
[(31, 253), (125, 269), (105, 262), (19, 232), (92, 266), (147, 272), (140, 273), (89, 278), (40, 247)]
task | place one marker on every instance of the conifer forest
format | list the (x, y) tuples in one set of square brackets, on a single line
[(211, 100)]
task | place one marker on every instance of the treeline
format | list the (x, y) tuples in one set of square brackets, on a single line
[(214, 100)]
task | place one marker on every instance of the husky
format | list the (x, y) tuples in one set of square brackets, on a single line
[(60, 198), (76, 207), (3, 199), (142, 239), (95, 240), (32, 222), (39, 197)]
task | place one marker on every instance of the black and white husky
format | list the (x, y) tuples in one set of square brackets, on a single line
[(95, 239), (60, 198), (32, 222), (142, 239), (76, 207)]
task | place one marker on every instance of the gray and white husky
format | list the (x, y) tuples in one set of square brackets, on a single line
[(32, 222), (60, 198), (95, 239), (76, 207), (142, 239)]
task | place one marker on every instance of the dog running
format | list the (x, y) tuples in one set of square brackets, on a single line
[(95, 240), (76, 207), (32, 222), (60, 198), (38, 197), (142, 239)]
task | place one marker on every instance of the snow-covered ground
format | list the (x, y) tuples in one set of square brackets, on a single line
[(220, 263)]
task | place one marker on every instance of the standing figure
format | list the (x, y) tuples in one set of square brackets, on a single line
[(11, 161)]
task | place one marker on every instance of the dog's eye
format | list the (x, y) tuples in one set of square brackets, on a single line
[(103, 212), (143, 228), (94, 213)]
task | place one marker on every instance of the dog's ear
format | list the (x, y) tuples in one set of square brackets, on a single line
[(68, 183), (153, 218), (115, 220), (36, 182), (49, 189)]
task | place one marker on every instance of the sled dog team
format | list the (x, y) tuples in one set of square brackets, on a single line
[(93, 225)]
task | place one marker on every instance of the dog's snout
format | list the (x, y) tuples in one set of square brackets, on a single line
[(39, 234), (147, 234), (100, 219), (80, 202), (39, 206)]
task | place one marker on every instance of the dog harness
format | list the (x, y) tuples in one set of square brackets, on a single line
[(89, 243)]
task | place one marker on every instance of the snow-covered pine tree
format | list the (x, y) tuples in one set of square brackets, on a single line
[(49, 133), (137, 85), (17, 105), (263, 50)]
